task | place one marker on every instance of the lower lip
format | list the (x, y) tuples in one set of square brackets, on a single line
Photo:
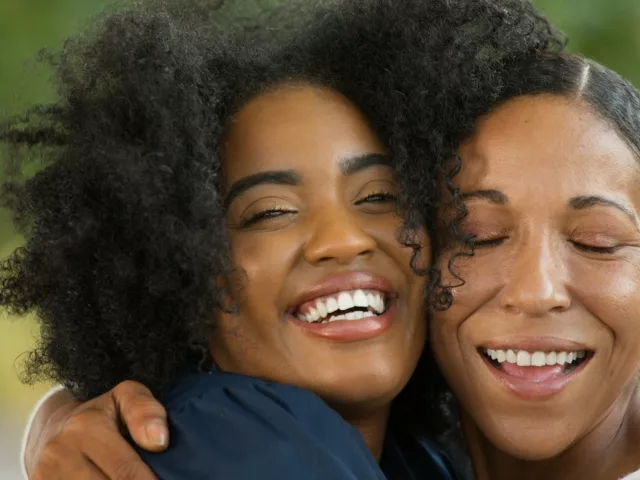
[(351, 330), (536, 390)]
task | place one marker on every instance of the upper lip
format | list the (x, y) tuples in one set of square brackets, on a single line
[(535, 344), (341, 282)]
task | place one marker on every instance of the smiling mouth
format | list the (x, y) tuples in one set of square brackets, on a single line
[(345, 305), (549, 370)]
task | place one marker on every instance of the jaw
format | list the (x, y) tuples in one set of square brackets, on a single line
[(551, 449), (573, 424)]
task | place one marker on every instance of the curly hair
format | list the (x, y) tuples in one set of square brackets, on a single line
[(124, 226), (444, 63), (423, 71)]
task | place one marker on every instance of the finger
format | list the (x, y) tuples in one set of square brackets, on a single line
[(144, 417), (92, 472), (94, 434), (59, 462)]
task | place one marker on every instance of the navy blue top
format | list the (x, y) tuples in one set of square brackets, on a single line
[(232, 427)]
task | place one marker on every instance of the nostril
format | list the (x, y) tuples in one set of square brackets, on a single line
[(339, 247)]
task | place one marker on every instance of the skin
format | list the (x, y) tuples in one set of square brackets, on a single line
[(547, 267), (328, 223)]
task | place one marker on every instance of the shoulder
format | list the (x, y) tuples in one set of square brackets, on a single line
[(233, 426), (410, 456)]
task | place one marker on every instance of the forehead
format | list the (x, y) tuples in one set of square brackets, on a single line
[(298, 127), (546, 142)]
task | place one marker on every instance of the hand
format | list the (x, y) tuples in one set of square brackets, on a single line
[(72, 440)]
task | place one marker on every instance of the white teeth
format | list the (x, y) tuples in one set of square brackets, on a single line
[(372, 301), (360, 299), (332, 305), (536, 359), (345, 302), (322, 309), (376, 302), (379, 307), (561, 358), (523, 359), (313, 315)]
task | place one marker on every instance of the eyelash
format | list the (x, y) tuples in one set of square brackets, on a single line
[(494, 242), (265, 215), (278, 212), (592, 249), (379, 198)]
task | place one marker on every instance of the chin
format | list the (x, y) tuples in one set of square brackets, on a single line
[(369, 390), (529, 442)]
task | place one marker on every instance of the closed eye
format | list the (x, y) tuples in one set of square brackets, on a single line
[(378, 198), (594, 249), (490, 242), (264, 215)]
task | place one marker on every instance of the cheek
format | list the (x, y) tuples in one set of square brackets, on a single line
[(609, 290), (401, 245), (447, 350), (472, 281), (265, 260)]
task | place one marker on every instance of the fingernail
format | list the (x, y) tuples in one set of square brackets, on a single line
[(156, 432)]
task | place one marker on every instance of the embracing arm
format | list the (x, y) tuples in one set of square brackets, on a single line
[(226, 426), (67, 439), (222, 426)]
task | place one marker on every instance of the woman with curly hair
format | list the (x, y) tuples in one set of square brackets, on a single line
[(539, 250), (540, 345), (222, 233), (173, 147)]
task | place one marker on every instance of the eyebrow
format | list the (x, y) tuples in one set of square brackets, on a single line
[(348, 166), (277, 177), (581, 203), (493, 196), (352, 165)]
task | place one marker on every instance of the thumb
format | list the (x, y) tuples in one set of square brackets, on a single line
[(144, 417)]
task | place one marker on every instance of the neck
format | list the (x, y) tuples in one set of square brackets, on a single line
[(372, 425), (609, 450)]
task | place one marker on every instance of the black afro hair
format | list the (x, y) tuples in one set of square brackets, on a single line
[(125, 231)]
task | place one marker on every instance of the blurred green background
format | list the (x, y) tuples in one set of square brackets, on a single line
[(606, 30)]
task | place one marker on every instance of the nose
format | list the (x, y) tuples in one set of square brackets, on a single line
[(536, 283), (338, 235)]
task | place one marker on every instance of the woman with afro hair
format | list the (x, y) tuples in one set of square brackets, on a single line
[(540, 345), (190, 230)]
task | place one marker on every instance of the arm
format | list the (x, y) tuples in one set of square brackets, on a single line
[(42, 411), (72, 440), (226, 426)]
